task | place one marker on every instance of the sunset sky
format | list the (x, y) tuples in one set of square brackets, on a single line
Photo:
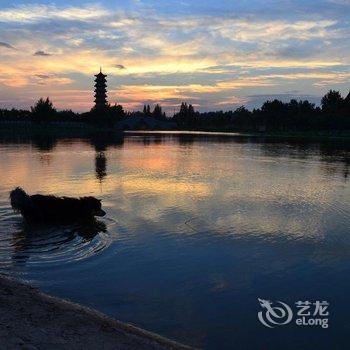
[(213, 54)]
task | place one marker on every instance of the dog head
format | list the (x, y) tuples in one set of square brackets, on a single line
[(19, 199), (94, 206)]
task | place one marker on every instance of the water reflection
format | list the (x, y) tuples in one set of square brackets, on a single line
[(100, 166), (44, 143), (101, 142), (51, 244), (191, 220), (332, 152)]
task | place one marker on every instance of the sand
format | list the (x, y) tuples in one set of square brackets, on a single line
[(33, 320)]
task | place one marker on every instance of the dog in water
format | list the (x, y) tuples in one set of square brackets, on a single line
[(46, 209)]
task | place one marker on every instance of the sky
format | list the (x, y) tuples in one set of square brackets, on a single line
[(216, 55)]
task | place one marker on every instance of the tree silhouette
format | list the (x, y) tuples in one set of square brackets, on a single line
[(332, 102), (157, 112), (116, 112), (275, 115), (185, 116), (43, 110)]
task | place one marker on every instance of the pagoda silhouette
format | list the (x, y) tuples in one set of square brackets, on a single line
[(100, 90)]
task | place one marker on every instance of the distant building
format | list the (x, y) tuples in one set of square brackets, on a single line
[(100, 90)]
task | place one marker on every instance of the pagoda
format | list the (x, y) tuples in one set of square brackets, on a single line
[(100, 90)]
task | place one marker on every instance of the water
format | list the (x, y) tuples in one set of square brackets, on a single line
[(198, 227)]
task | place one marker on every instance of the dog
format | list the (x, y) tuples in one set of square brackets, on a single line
[(51, 209)]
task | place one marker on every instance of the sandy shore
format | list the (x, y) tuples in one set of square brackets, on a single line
[(33, 320)]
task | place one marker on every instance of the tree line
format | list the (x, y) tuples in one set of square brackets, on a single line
[(332, 114)]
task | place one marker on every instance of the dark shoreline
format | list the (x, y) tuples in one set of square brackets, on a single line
[(287, 134), (33, 320), (84, 130)]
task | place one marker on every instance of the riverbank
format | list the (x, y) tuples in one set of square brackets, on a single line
[(312, 136), (33, 320), (139, 125)]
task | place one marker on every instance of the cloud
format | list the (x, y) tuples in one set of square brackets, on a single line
[(41, 53), (209, 58), (6, 45), (46, 79), (42, 76), (253, 31), (37, 13), (156, 92), (340, 2), (217, 94)]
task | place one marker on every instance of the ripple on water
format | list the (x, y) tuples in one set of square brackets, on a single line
[(48, 245)]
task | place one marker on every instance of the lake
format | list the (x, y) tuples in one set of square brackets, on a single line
[(198, 228)]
